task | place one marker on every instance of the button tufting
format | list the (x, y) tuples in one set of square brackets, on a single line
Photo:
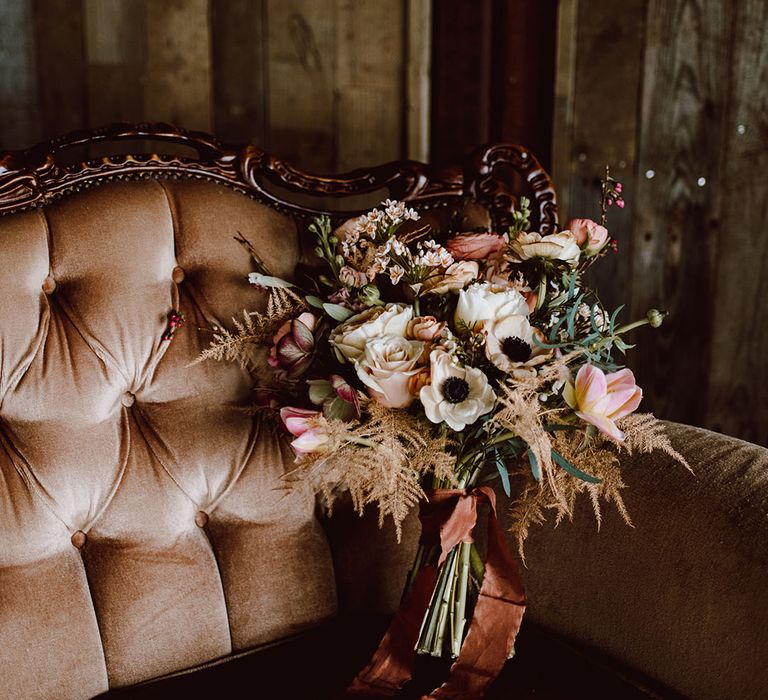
[(201, 518), (127, 399), (79, 539), (49, 285), (177, 275)]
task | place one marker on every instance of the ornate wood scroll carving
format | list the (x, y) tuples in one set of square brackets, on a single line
[(493, 175)]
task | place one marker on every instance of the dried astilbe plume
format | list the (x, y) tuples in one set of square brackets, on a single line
[(381, 461), (598, 456), (523, 415), (255, 329)]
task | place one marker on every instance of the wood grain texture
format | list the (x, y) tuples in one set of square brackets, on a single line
[(178, 69), (674, 242), (301, 45), (738, 399), (369, 82), (115, 48), (239, 33), (59, 42), (418, 67), (19, 110), (462, 66), (599, 54)]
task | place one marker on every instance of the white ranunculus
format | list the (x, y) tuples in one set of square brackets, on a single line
[(480, 303), (556, 246), (510, 344), (350, 337), (386, 367), (457, 395)]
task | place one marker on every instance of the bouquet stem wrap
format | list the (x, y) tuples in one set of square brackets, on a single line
[(449, 517)]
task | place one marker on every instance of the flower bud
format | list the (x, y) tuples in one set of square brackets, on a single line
[(655, 318), (369, 295)]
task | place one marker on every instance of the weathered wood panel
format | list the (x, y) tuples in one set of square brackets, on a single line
[(19, 107), (369, 82), (738, 395), (238, 35), (178, 69), (301, 51), (59, 37), (418, 67), (115, 54), (599, 55), (685, 87)]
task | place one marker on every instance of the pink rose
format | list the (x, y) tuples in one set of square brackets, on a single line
[(309, 427), (425, 328), (601, 399), (590, 235), (474, 246)]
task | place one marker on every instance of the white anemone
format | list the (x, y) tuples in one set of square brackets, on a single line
[(510, 343), (457, 395)]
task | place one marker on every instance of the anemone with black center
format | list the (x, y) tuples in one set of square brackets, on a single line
[(516, 349), (455, 389)]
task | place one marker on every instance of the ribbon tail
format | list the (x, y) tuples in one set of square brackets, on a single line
[(392, 664), (494, 626)]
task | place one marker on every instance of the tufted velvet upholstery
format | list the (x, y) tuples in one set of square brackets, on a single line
[(143, 520)]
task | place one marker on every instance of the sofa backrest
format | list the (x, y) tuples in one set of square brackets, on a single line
[(145, 525)]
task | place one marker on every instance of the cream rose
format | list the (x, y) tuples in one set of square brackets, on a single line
[(457, 395), (480, 303), (349, 339), (456, 277), (555, 246), (386, 367), (510, 343)]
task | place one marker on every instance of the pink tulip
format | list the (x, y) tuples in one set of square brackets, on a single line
[(601, 399), (474, 246), (309, 427)]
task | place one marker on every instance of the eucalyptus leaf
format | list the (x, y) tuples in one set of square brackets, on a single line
[(268, 281), (535, 468), (338, 312), (504, 474), (573, 471), (312, 300)]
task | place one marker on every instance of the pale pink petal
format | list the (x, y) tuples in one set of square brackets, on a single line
[(629, 405), (603, 424), (612, 402), (590, 386), (623, 379), (296, 425)]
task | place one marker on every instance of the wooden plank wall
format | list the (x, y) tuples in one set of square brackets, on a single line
[(671, 94), (329, 84)]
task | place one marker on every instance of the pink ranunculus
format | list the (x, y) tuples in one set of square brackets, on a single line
[(309, 428), (601, 399), (590, 235), (474, 246)]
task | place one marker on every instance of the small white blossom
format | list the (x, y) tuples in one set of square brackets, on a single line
[(396, 273)]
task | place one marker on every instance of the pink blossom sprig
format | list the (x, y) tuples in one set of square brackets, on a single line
[(610, 194)]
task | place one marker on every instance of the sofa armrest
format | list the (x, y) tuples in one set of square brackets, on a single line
[(681, 596)]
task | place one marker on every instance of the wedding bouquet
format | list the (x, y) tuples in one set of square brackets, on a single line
[(418, 368)]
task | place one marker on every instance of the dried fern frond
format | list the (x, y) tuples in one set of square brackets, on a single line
[(644, 433), (381, 460), (254, 329)]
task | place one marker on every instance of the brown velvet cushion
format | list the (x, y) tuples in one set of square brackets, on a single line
[(105, 429)]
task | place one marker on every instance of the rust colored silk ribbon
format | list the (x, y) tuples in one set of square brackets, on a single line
[(447, 518)]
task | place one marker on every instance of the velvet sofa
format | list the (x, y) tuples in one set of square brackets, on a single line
[(146, 529)]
